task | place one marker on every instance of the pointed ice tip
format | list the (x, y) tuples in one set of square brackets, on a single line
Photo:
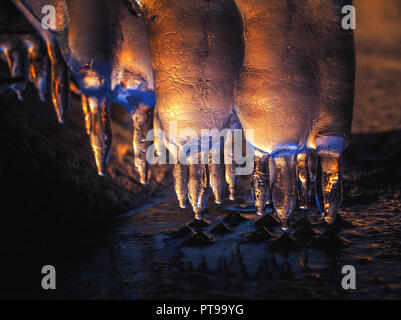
[(19, 95), (100, 171), (284, 224), (100, 164), (143, 176), (182, 204), (260, 211), (329, 219), (60, 117), (198, 215)]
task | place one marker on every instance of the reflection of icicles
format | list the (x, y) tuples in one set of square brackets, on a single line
[(198, 187), (303, 179), (180, 174), (60, 88), (217, 176), (142, 123), (86, 112), (329, 189), (261, 184), (284, 185), (100, 132)]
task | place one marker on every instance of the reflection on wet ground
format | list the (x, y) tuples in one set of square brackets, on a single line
[(152, 253)]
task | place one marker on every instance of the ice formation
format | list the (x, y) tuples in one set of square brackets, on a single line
[(181, 66), (197, 52), (296, 91), (105, 45)]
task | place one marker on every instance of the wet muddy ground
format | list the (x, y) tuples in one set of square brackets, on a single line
[(149, 253)]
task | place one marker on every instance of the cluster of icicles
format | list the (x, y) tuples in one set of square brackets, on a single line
[(282, 178)]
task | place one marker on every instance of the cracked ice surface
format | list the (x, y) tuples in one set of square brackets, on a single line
[(196, 48), (296, 86), (105, 45)]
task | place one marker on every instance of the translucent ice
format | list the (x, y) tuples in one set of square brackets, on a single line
[(198, 186), (261, 184), (180, 175), (197, 49), (296, 92), (59, 74), (303, 179), (284, 185), (37, 65), (13, 51), (105, 45)]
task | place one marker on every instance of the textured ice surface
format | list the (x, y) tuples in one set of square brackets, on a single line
[(197, 49), (105, 45), (296, 89), (297, 78), (59, 74)]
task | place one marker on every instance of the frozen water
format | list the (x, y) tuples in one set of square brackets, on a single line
[(110, 60), (196, 48), (295, 89)]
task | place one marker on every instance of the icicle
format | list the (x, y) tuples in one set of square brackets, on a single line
[(230, 166), (260, 183), (158, 138), (16, 61), (142, 123), (303, 179), (87, 115), (37, 68), (312, 168), (217, 175), (284, 185), (198, 187), (74, 89), (329, 188), (100, 132), (59, 79), (180, 174)]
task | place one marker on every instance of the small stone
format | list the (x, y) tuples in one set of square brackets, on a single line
[(199, 223), (221, 228), (329, 240), (234, 217), (301, 222), (267, 221), (304, 232), (260, 235), (183, 232), (342, 223), (199, 239), (284, 243)]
